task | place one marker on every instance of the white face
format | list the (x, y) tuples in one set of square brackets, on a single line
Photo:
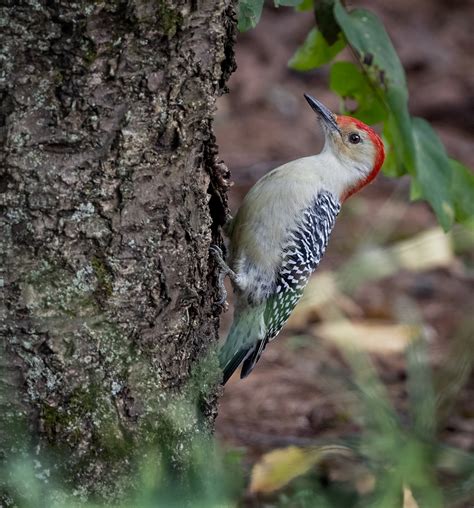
[(353, 147), (355, 155)]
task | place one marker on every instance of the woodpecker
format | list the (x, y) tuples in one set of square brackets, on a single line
[(281, 231)]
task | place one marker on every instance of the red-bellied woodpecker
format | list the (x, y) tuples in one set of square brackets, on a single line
[(280, 232)]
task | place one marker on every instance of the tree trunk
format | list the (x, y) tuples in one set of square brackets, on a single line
[(112, 196)]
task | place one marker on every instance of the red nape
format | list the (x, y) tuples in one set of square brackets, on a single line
[(379, 151)]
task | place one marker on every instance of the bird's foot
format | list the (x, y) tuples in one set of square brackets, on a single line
[(216, 253), (224, 270)]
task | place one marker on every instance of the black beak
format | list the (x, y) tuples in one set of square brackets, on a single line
[(328, 118)]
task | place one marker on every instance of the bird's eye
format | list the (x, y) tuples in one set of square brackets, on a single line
[(354, 138)]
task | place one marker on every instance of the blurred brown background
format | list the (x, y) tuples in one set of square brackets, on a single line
[(293, 394)]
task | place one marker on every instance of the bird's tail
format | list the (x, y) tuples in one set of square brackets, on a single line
[(244, 337)]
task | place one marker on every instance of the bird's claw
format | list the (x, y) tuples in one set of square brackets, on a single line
[(218, 256), (216, 252)]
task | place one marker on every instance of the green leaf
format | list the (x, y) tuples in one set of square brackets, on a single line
[(287, 3), (462, 191), (401, 126), (324, 13), (348, 81), (249, 14), (393, 164), (315, 52), (305, 5), (390, 166), (416, 192), (433, 171), (367, 36)]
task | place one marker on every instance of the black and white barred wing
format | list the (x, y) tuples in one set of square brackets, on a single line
[(302, 253)]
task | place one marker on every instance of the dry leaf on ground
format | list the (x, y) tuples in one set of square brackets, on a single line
[(408, 499), (369, 336), (279, 467)]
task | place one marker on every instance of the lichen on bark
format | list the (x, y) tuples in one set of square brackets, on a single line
[(111, 196)]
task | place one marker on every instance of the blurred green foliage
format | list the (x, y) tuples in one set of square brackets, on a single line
[(377, 83), (396, 452), (209, 479)]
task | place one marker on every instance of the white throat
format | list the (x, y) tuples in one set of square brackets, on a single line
[(336, 174)]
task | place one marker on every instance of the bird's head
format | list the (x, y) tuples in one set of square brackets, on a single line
[(357, 147)]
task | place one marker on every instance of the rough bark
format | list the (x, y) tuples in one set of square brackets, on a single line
[(111, 197)]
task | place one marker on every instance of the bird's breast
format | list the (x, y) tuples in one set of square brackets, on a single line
[(269, 213)]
